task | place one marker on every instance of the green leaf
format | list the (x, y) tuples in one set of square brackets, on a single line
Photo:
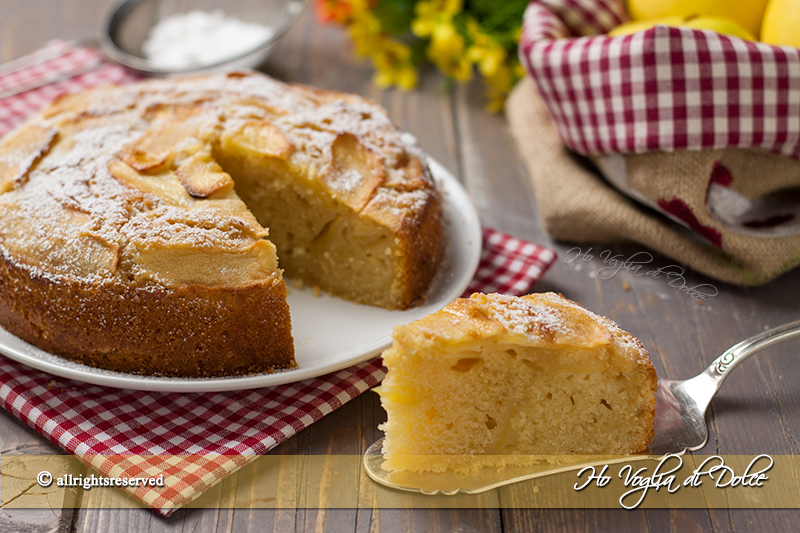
[(497, 16), (395, 15)]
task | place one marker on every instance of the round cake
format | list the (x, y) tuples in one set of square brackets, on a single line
[(133, 220)]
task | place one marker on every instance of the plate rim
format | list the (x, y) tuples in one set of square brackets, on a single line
[(455, 196)]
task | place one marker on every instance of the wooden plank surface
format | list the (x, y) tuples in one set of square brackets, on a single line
[(757, 411)]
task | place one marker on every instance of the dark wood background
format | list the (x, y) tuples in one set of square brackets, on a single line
[(757, 411)]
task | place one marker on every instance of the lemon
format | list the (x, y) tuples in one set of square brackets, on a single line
[(640, 25), (717, 24), (720, 25), (748, 13), (782, 23)]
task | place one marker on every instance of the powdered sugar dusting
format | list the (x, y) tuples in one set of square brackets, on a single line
[(526, 318), (541, 318), (90, 144), (345, 181), (18, 160), (200, 228), (622, 338)]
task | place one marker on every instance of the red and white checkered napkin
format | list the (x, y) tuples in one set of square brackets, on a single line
[(662, 89), (195, 440), (58, 68)]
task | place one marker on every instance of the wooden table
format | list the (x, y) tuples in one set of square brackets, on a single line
[(758, 410)]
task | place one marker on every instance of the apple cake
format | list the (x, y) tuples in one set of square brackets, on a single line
[(493, 380), (133, 220)]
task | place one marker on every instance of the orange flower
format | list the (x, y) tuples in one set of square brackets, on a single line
[(338, 11)]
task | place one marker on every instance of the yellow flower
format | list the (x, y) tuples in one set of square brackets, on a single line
[(393, 63), (455, 42), (359, 5), (500, 84), (485, 50), (488, 58), (405, 77), (365, 30), (431, 13), (447, 51), (392, 59)]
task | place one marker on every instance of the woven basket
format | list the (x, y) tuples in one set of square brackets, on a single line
[(702, 127)]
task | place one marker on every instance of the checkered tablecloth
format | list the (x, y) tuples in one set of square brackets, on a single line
[(662, 89), (58, 68), (194, 440)]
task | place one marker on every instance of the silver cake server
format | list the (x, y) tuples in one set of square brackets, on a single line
[(680, 427)]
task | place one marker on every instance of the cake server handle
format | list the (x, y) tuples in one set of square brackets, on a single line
[(705, 385)]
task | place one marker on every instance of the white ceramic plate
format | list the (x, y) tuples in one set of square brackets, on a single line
[(330, 334)]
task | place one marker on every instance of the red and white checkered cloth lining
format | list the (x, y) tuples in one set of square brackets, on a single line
[(74, 60), (509, 265), (195, 440), (662, 89)]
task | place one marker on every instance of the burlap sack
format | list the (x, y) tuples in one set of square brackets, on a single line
[(733, 225)]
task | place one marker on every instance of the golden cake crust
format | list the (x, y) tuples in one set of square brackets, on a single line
[(546, 320), (125, 245), (125, 327)]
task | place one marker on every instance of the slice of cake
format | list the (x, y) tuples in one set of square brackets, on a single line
[(505, 378)]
